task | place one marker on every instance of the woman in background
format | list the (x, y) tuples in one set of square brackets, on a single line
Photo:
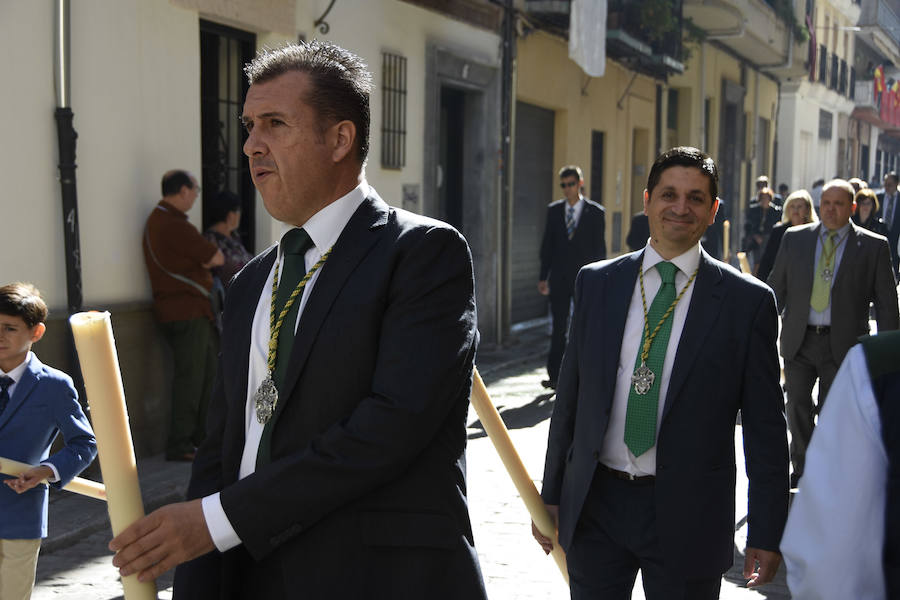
[(798, 210), (226, 217), (866, 209)]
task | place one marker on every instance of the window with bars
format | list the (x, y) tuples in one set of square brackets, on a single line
[(393, 111)]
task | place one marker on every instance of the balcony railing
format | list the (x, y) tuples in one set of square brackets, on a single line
[(879, 14)]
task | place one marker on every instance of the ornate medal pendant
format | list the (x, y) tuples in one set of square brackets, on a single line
[(643, 379), (264, 399), (827, 274)]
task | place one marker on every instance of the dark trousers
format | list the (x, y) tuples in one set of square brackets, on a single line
[(195, 345), (615, 536), (812, 361), (559, 313)]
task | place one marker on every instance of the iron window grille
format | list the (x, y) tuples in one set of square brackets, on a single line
[(393, 111)]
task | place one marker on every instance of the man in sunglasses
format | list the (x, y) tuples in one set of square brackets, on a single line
[(574, 235)]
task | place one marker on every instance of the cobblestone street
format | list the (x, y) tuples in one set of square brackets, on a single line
[(513, 565)]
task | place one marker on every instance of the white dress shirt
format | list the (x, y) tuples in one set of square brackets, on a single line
[(824, 317), (323, 228), (614, 453), (834, 537), (16, 375), (579, 207)]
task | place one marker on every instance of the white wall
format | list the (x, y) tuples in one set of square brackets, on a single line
[(135, 94), (370, 27), (135, 97)]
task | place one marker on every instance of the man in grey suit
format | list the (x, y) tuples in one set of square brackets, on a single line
[(824, 278)]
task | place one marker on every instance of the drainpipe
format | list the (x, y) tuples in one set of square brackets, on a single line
[(67, 136)]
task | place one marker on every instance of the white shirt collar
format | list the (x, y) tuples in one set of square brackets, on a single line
[(687, 262), (17, 372), (326, 226)]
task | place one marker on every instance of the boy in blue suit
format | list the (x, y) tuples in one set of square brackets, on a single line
[(36, 403)]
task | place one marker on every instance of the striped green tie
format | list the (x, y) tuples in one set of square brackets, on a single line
[(294, 245), (640, 416), (821, 290)]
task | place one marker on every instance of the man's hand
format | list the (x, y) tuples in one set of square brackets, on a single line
[(29, 478), (542, 539), (767, 562), (544, 287), (162, 540)]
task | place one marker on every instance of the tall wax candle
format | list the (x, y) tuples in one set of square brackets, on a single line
[(85, 487), (106, 398), (499, 435)]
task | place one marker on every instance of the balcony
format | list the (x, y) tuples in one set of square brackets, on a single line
[(637, 37), (876, 108), (880, 29), (750, 28)]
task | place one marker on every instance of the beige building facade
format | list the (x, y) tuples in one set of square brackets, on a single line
[(150, 79)]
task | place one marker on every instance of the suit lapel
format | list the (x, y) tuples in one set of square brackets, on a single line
[(24, 386), (848, 257), (236, 357), (706, 302), (806, 267), (585, 217), (360, 233), (619, 288)]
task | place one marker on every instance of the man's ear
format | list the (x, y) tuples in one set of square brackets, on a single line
[(344, 136), (37, 332), (646, 200), (712, 214)]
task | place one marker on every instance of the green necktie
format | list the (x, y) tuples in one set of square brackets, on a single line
[(640, 417), (821, 290), (294, 245)]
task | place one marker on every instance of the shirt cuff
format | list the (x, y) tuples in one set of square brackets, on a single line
[(220, 529), (55, 477)]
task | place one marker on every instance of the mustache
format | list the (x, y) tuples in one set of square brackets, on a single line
[(262, 164)]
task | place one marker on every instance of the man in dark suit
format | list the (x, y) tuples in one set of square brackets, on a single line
[(759, 219), (334, 462), (889, 211), (640, 462), (639, 231), (574, 235), (825, 276)]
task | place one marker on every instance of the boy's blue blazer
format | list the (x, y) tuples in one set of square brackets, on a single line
[(44, 403)]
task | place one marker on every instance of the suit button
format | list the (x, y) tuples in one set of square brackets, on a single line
[(596, 455)]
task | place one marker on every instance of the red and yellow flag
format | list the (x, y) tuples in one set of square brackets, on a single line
[(879, 79)]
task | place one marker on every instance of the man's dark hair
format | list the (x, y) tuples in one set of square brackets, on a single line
[(571, 171), (173, 181), (685, 156), (23, 300), (224, 202), (893, 175), (341, 83)]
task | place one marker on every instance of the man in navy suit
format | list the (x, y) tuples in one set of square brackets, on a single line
[(333, 466), (574, 235), (666, 346)]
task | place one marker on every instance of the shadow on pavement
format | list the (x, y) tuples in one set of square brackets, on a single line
[(521, 417)]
